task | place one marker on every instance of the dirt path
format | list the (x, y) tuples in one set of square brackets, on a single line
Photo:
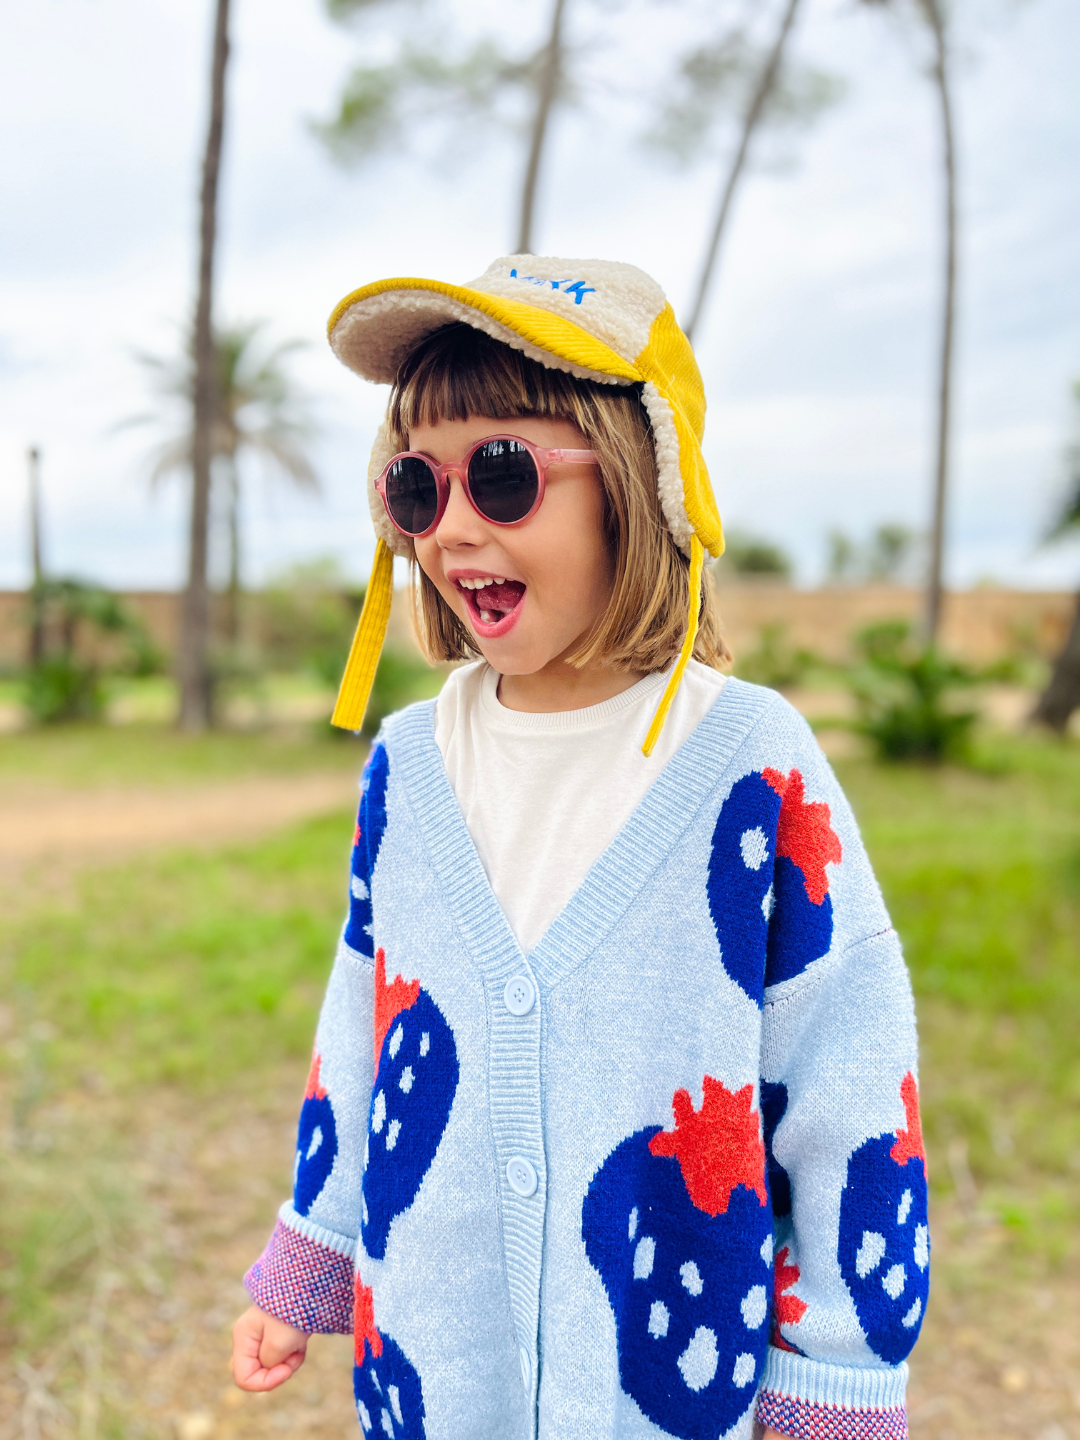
[(38, 822)]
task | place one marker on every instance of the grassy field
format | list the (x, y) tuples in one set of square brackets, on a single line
[(156, 1016)]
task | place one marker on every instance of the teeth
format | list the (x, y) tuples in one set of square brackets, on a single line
[(479, 584), (501, 580)]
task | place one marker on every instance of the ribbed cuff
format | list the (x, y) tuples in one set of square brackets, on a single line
[(812, 1400), (304, 1282)]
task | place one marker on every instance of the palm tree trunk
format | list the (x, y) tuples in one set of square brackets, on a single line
[(37, 595), (194, 657), (233, 615), (754, 111), (545, 98), (932, 621), (1062, 694)]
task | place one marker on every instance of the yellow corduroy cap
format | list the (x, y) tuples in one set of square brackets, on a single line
[(596, 319)]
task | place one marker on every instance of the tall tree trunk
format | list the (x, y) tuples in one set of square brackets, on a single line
[(1062, 694), (550, 73), (934, 580), (194, 658), (762, 90), (233, 613), (37, 597)]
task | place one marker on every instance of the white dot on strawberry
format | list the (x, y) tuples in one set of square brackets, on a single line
[(754, 847), (744, 1371), (904, 1208), (690, 1276), (659, 1319), (754, 1307), (632, 1228), (644, 1256), (767, 1250), (699, 1360), (406, 1081), (912, 1316), (869, 1254), (378, 1113), (395, 1042), (893, 1282), (922, 1246), (392, 1133)]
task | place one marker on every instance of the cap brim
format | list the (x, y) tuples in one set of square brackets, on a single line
[(376, 327)]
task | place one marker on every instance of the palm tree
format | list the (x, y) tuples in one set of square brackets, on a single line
[(193, 661), (1062, 694), (258, 412), (934, 15), (436, 80)]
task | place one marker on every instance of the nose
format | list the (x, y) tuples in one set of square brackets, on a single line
[(459, 524)]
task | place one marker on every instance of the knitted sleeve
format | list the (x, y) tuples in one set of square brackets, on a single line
[(305, 1274), (839, 1103)]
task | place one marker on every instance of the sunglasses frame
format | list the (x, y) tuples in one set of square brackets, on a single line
[(541, 458)]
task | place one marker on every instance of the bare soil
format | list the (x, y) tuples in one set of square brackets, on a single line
[(39, 821)]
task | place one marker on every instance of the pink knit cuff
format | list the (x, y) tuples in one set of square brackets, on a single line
[(303, 1283), (803, 1420)]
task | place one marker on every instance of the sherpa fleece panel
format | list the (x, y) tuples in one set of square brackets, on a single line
[(662, 1176)]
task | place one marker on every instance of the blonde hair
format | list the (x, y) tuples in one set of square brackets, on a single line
[(458, 372)]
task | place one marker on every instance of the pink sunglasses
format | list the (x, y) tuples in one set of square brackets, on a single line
[(503, 476)]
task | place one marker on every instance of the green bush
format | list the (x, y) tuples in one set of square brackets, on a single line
[(86, 633), (906, 697), (775, 662)]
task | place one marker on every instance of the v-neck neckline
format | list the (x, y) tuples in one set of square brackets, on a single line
[(615, 878)]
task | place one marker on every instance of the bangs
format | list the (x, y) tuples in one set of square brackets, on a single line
[(458, 372)]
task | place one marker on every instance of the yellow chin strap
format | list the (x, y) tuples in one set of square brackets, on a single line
[(697, 561), (367, 644)]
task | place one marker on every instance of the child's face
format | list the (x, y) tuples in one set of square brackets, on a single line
[(556, 565)]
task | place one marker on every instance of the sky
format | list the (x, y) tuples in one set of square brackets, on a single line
[(818, 348)]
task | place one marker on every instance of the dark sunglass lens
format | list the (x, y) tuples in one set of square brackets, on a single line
[(503, 481), (412, 496)]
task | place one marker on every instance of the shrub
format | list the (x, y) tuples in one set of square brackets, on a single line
[(775, 662), (86, 633), (906, 696)]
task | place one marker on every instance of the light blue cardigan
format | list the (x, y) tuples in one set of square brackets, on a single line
[(662, 1176)]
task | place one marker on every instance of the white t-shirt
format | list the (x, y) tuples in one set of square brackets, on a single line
[(545, 795)]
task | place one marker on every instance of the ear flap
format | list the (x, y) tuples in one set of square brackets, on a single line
[(367, 644)]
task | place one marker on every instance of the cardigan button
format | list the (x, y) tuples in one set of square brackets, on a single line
[(519, 997), (522, 1177)]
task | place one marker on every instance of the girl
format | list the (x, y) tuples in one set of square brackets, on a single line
[(612, 1125)]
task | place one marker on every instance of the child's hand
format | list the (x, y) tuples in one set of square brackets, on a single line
[(266, 1351)]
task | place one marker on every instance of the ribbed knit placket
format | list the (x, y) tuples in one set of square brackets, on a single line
[(514, 1082), (514, 1040)]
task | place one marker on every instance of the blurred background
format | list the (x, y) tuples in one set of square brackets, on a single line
[(865, 212)]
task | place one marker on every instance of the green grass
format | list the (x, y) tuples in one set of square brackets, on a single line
[(982, 876), (187, 972), (150, 754), (187, 968)]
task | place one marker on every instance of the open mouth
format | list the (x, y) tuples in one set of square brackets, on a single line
[(493, 603)]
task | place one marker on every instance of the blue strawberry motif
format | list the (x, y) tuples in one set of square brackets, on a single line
[(389, 1396), (767, 883), (678, 1227), (316, 1142), (370, 825), (884, 1248), (416, 1076)]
